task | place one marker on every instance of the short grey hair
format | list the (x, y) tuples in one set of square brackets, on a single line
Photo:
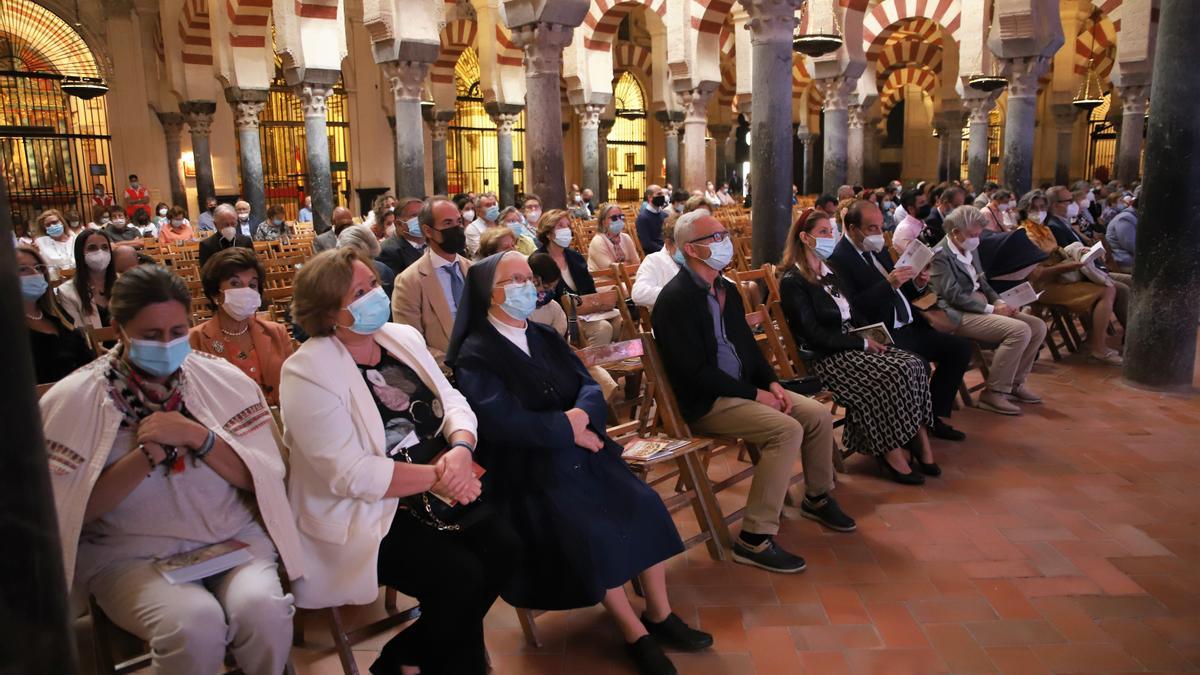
[(1055, 193), (685, 226), (1025, 204), (360, 237), (224, 210), (962, 218)]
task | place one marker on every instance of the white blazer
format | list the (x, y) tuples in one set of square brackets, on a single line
[(339, 467)]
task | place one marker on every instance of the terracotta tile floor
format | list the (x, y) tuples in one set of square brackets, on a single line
[(1067, 540)]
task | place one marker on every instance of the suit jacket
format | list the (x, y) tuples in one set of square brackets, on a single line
[(952, 283), (418, 301), (935, 228), (814, 317), (869, 292), (271, 343), (216, 242), (684, 327), (1063, 234), (397, 253), (324, 241)]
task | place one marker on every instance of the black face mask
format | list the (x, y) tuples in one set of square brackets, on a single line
[(659, 201), (454, 240)]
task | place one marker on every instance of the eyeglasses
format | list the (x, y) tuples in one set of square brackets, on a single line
[(1064, 201), (615, 218), (518, 279), (26, 270), (717, 237)]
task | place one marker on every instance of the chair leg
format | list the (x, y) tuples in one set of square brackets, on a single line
[(528, 626), (706, 508), (101, 640), (389, 601), (341, 642)]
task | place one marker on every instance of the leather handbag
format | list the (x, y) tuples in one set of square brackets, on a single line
[(935, 316), (430, 508)]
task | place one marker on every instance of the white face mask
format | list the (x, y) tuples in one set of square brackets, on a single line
[(162, 212), (177, 223), (1037, 216), (97, 261), (1072, 210), (228, 232), (969, 245), (1004, 207), (873, 243), (241, 303), (468, 216), (243, 217), (563, 237)]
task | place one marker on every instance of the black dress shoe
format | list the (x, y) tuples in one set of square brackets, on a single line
[(673, 632), (766, 555), (910, 478), (649, 657), (931, 469), (946, 432)]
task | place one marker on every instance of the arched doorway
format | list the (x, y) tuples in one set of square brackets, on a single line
[(627, 141), (1102, 142), (472, 161), (285, 148), (53, 147)]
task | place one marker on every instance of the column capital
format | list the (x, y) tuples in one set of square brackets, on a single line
[(695, 103), (719, 131), (437, 129), (406, 77), (771, 20), (543, 44), (671, 121), (835, 92), (1023, 75), (505, 122), (245, 114), (978, 109), (589, 115), (1065, 115), (856, 117), (804, 135), (606, 126), (313, 96), (199, 116), (1133, 99), (172, 123)]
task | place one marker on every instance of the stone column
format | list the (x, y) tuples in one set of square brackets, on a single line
[(771, 24), (543, 44), (439, 123), (671, 122), (695, 127), (1019, 121), (589, 145), (808, 176), (1065, 115), (247, 104), (1133, 121), (836, 132), (172, 124), (978, 110), (731, 163), (856, 119), (719, 133), (871, 171), (199, 116), (602, 158), (407, 78), (1160, 347), (320, 185), (505, 192)]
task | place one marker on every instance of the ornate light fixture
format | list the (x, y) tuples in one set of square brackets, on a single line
[(35, 39), (816, 44), (1090, 96), (988, 82), (86, 88)]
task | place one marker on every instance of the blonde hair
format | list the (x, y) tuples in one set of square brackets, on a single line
[(44, 215), (602, 216), (489, 241), (320, 286), (547, 224)]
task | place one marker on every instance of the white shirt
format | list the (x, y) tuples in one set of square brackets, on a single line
[(514, 335), (909, 228), (57, 254), (900, 213), (655, 271), (896, 322), (967, 259), (474, 232)]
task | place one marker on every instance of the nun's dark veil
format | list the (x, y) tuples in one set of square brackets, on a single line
[(474, 304)]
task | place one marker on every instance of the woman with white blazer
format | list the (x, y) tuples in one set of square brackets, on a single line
[(375, 428)]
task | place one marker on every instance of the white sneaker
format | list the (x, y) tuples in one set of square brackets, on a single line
[(1023, 395), (996, 402)]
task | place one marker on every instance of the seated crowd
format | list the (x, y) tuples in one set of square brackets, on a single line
[(434, 415)]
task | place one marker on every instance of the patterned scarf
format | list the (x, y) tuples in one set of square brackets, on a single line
[(136, 397)]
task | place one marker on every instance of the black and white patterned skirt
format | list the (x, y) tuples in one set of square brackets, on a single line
[(886, 397)]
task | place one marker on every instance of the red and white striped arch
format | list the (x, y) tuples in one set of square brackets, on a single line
[(195, 33), (628, 56), (708, 16), (1096, 42), (886, 17), (1109, 7), (249, 22), (508, 54), (456, 36), (316, 9), (801, 80), (600, 25), (900, 53), (893, 88)]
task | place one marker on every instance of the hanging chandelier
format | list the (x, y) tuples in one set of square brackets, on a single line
[(988, 82), (86, 88), (1090, 96), (816, 44), (35, 39)]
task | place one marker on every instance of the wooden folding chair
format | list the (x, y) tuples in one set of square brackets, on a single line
[(658, 417), (98, 336), (344, 639)]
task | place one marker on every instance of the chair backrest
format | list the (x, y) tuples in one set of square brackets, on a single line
[(787, 339), (624, 305), (753, 284), (658, 410), (98, 336), (606, 278), (767, 337), (741, 252)]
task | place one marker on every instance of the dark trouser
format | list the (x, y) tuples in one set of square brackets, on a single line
[(456, 576), (950, 353)]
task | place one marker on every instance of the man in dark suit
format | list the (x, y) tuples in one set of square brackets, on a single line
[(726, 388), (883, 293), (225, 219), (951, 198), (405, 247)]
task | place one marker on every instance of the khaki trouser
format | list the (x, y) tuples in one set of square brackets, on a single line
[(807, 431), (1019, 338)]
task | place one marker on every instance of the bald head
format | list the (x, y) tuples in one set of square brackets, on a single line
[(341, 219), (124, 258)]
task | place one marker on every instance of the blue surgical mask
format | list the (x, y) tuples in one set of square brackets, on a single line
[(517, 228), (825, 246), (278, 222), (159, 358), (55, 230), (519, 300), (678, 257), (492, 213), (33, 286), (370, 312), (616, 226), (720, 253), (414, 227), (563, 237)]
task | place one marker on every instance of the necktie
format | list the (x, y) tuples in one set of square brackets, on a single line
[(902, 313), (456, 286)]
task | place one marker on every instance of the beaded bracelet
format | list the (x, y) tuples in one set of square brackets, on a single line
[(464, 444)]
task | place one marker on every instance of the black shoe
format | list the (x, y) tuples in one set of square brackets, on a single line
[(767, 556), (673, 632), (910, 478), (649, 657), (946, 432), (931, 469), (826, 511)]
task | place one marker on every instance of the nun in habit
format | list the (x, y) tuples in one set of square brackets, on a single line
[(588, 524)]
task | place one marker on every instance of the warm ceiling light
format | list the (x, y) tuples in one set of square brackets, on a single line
[(85, 88)]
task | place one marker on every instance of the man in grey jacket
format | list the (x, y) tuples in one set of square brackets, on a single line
[(969, 301)]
